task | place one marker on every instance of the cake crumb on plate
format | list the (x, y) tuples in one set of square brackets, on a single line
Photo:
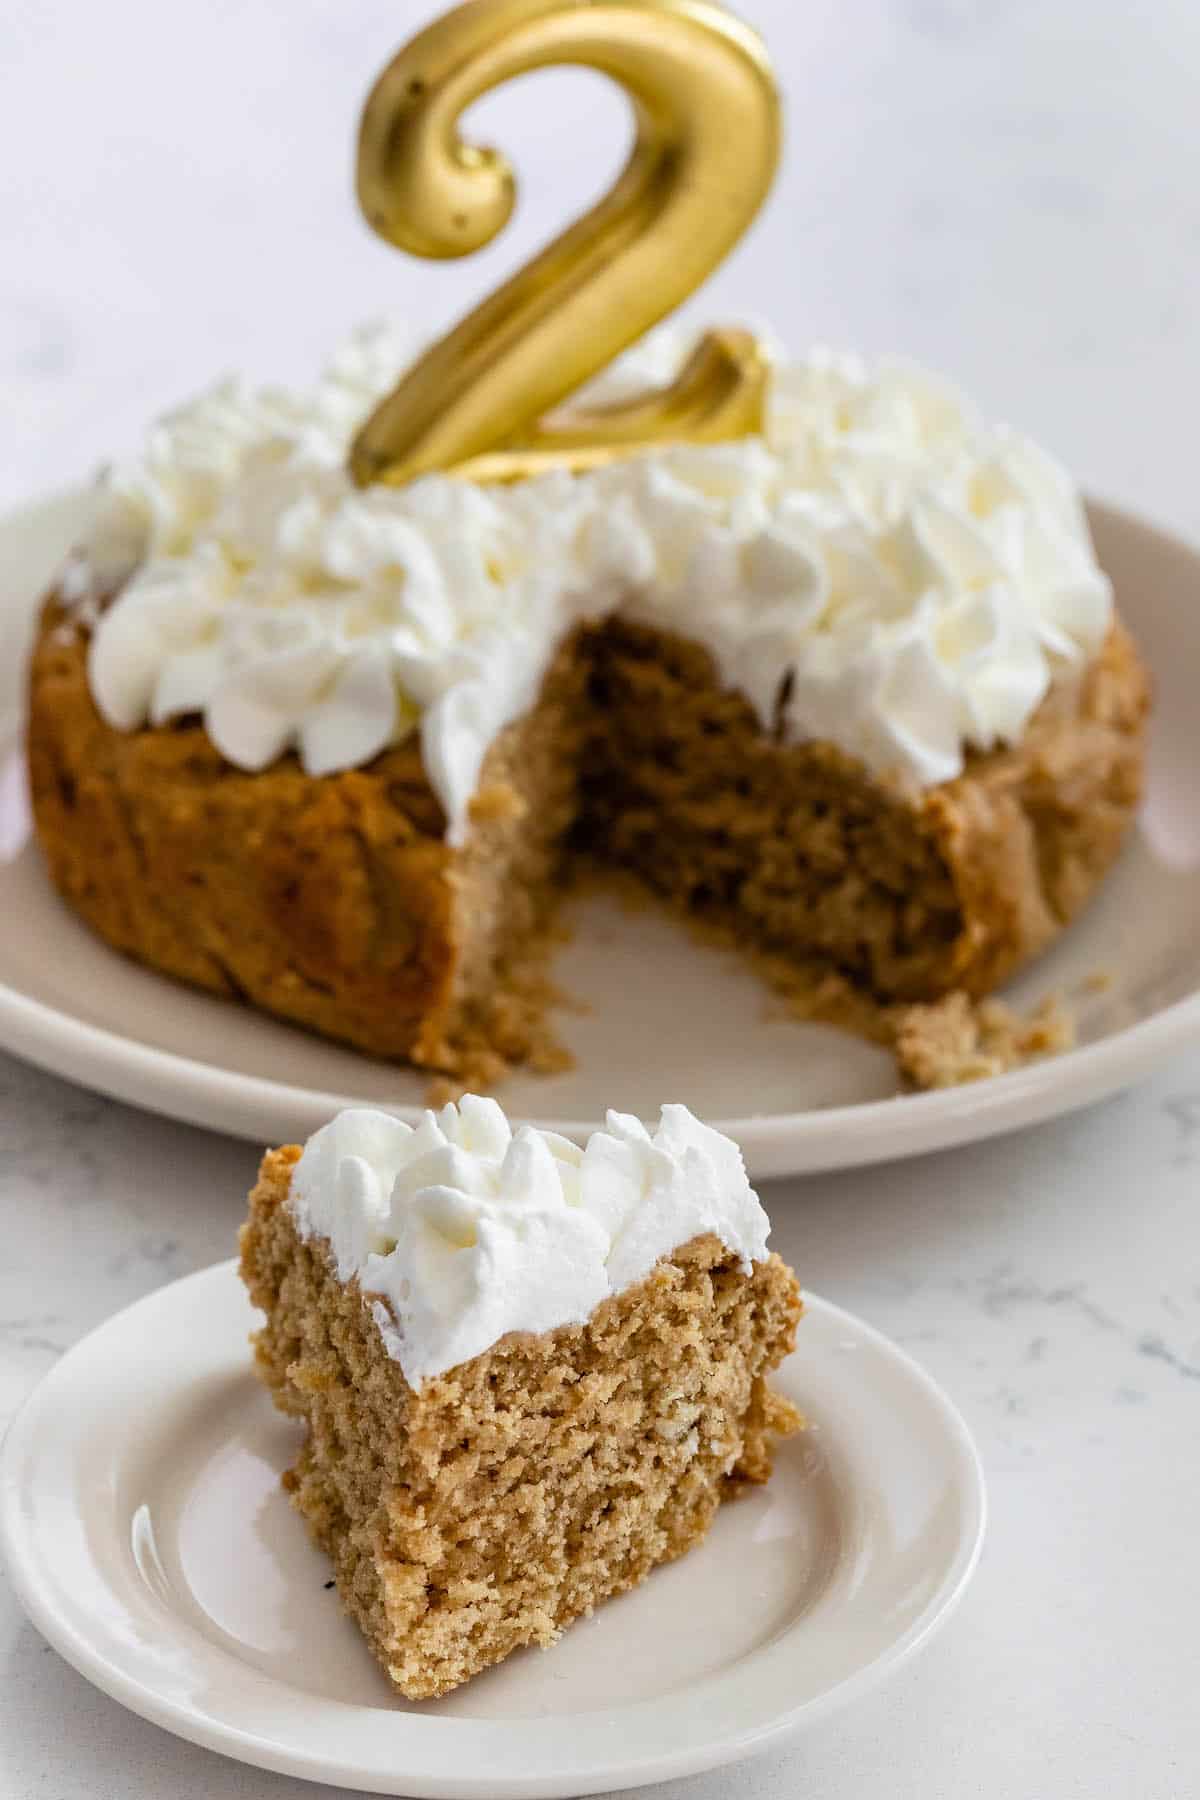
[(957, 1039)]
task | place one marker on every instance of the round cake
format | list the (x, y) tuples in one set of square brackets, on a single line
[(854, 691)]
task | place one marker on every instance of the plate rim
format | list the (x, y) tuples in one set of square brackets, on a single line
[(821, 1139), (773, 1144), (426, 1775)]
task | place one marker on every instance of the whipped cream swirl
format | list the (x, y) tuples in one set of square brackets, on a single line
[(882, 571), (461, 1230)]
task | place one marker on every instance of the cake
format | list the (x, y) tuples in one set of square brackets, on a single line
[(528, 1373), (854, 693)]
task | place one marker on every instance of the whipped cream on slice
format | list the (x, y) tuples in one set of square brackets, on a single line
[(883, 570), (460, 1230)]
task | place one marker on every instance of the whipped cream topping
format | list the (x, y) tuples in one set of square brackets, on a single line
[(883, 571), (460, 1230)]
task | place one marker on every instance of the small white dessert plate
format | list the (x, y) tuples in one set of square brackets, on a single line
[(148, 1538), (668, 1019)]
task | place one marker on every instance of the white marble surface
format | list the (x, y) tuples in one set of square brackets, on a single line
[(1005, 188), (1050, 1281)]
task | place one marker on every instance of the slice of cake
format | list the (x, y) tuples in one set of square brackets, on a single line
[(529, 1372)]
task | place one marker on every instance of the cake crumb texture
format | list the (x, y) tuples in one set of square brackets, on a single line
[(486, 1510), (958, 1040), (335, 901), (805, 854)]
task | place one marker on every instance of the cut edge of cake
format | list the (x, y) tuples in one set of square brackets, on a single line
[(485, 1509), (335, 902)]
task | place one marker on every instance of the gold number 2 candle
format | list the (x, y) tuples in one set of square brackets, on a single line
[(707, 120)]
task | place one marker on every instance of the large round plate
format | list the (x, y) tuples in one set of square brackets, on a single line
[(148, 1538), (666, 1018)]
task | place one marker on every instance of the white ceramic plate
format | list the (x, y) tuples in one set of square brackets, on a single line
[(149, 1540), (668, 1019)]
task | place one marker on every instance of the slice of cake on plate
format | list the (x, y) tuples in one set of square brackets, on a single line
[(529, 1373)]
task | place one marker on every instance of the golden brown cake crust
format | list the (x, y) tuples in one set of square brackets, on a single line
[(334, 902), (500, 1501), (1030, 832)]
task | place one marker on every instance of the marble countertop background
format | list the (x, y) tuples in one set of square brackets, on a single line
[(1006, 189)]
